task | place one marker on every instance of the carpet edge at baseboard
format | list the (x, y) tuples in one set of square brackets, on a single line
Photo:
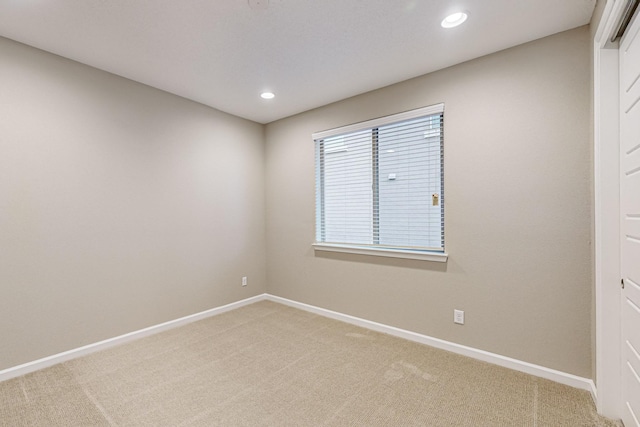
[(45, 362), (474, 353), (496, 359)]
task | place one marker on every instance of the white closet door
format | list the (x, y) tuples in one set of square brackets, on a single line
[(630, 220)]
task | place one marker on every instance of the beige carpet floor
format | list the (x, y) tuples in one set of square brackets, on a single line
[(271, 365)]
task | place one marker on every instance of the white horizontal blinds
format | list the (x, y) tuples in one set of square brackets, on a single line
[(410, 168), (347, 189), (375, 183)]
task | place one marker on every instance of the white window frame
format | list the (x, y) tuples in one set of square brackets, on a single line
[(407, 253)]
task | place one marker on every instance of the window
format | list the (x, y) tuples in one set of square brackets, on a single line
[(380, 186)]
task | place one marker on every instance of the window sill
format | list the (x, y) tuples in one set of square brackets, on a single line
[(385, 252)]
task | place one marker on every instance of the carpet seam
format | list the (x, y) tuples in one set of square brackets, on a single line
[(100, 408), (535, 403)]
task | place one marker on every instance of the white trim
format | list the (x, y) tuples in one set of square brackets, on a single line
[(496, 359), (394, 118), (46, 362), (385, 252), (606, 215), (609, 21)]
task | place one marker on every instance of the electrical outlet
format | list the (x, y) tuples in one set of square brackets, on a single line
[(458, 317), (244, 281)]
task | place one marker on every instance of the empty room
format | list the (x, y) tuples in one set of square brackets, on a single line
[(320, 213)]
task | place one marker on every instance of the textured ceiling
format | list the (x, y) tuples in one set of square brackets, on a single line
[(223, 53)]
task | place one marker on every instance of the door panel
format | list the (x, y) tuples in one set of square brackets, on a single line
[(631, 315), (632, 400), (630, 220)]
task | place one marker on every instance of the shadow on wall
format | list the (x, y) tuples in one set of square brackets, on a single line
[(380, 260)]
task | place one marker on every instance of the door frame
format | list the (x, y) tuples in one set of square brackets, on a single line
[(606, 164)]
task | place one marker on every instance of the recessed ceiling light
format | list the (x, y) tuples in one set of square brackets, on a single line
[(454, 20), (267, 95)]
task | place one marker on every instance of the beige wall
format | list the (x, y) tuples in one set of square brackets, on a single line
[(518, 209), (121, 206)]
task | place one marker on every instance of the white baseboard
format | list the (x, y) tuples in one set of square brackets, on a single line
[(496, 359), (45, 362)]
